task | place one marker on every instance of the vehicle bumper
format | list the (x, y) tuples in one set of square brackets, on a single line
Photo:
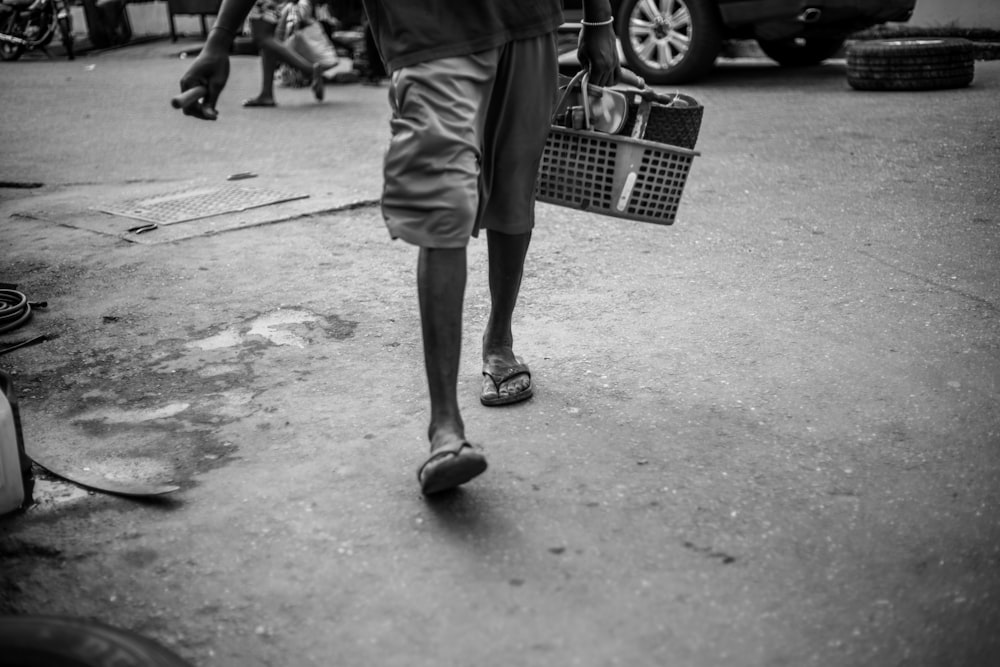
[(849, 13)]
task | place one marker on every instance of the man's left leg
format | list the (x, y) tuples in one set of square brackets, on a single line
[(516, 127)]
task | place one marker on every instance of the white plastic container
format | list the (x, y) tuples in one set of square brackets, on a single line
[(11, 482)]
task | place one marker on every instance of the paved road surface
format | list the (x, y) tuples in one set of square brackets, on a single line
[(765, 435)]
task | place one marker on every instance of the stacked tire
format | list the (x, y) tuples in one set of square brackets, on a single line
[(911, 64)]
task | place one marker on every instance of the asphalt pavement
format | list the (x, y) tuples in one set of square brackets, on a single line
[(767, 434)]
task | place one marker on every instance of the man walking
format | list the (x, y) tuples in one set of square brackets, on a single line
[(472, 86)]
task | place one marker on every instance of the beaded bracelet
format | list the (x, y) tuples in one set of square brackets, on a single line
[(596, 23)]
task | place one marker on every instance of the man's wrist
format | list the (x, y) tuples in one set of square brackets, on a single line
[(592, 24), (231, 32), (220, 37)]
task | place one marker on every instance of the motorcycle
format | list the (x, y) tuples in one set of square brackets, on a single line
[(26, 25)]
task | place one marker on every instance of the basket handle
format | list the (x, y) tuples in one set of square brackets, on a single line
[(588, 93), (585, 99), (581, 80)]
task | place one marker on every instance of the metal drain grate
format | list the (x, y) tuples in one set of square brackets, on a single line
[(198, 203)]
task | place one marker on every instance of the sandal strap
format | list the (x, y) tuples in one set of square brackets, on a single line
[(452, 449), (501, 375)]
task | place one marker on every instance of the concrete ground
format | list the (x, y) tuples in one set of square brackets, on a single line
[(766, 435)]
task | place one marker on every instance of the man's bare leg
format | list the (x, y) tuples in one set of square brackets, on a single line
[(506, 267), (441, 278)]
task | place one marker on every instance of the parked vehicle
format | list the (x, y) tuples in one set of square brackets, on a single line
[(26, 25), (677, 41)]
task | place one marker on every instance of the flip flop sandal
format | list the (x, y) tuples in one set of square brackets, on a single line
[(253, 102), (450, 466), (499, 376)]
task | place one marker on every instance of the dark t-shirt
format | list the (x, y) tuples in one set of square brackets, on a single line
[(413, 31)]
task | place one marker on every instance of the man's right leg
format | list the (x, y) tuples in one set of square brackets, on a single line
[(515, 131), (505, 379)]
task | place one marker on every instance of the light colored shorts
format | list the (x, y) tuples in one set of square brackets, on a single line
[(467, 138)]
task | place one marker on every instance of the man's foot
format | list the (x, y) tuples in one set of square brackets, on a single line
[(451, 463), (318, 83), (260, 101), (504, 382)]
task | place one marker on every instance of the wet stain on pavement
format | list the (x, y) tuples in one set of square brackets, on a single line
[(157, 415), (294, 327)]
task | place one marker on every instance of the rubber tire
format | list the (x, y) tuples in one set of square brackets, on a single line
[(704, 48), (911, 64), (55, 641), (801, 52)]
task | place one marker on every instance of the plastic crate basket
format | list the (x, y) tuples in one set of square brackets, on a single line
[(616, 175)]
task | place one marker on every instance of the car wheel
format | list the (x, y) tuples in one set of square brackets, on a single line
[(911, 64), (801, 51), (670, 41)]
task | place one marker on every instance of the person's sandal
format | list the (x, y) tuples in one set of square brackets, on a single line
[(498, 376), (450, 466)]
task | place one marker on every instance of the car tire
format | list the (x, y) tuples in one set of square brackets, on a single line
[(802, 51), (667, 49), (911, 64), (55, 641)]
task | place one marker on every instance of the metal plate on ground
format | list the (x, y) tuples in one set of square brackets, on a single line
[(85, 206), (121, 476), (194, 204)]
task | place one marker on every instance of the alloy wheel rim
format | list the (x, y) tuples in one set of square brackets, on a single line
[(660, 32)]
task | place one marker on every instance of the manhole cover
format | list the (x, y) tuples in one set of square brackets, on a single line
[(198, 203)]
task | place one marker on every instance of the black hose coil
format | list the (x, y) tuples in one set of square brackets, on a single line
[(15, 310)]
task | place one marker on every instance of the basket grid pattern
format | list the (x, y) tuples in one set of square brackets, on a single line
[(658, 193), (613, 175), (580, 170)]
